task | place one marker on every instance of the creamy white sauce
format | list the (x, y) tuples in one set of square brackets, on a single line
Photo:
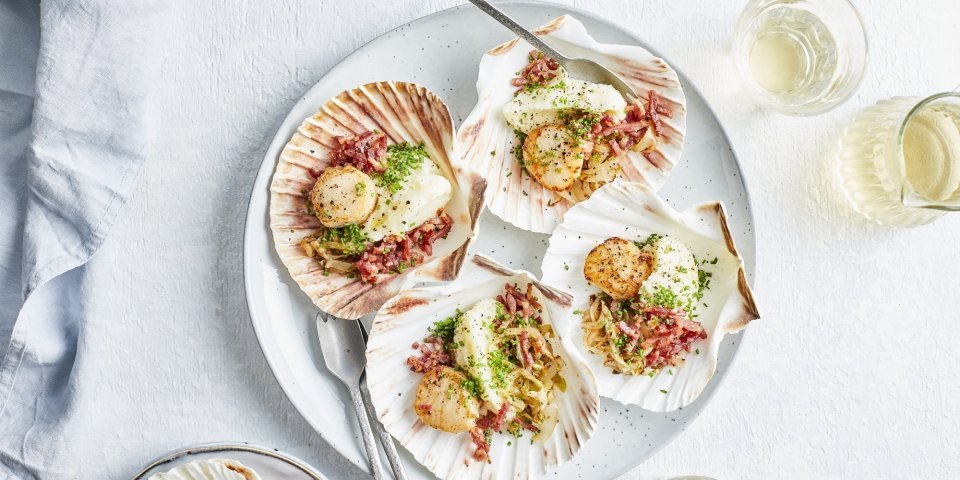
[(474, 339), (531, 109), (674, 268), (424, 192)]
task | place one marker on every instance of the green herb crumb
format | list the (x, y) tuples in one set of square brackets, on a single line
[(402, 159), (352, 238), (445, 328)]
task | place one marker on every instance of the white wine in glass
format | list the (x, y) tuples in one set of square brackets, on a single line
[(899, 160), (800, 57)]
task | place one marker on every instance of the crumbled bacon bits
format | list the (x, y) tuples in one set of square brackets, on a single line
[(482, 451), (654, 110), (366, 152), (395, 253), (486, 425), (667, 339), (540, 70), (432, 355), (493, 421), (525, 304), (627, 134), (664, 331)]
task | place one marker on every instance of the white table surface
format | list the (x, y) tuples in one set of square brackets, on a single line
[(851, 373)]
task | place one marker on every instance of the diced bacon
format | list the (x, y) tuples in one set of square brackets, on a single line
[(524, 345), (511, 304), (540, 70), (660, 331), (494, 421), (428, 233), (432, 355), (654, 110), (366, 152), (515, 302), (626, 127), (480, 441), (617, 151), (666, 340), (394, 253), (526, 425), (662, 312), (627, 330), (624, 135)]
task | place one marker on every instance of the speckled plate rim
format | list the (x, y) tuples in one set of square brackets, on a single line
[(229, 447), (266, 171)]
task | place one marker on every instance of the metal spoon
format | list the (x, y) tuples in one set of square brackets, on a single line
[(386, 441), (343, 351), (579, 68)]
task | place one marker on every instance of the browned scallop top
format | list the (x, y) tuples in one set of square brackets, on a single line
[(343, 195), (617, 267), (443, 403), (553, 157)]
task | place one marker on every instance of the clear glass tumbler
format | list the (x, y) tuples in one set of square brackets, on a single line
[(800, 57), (899, 160)]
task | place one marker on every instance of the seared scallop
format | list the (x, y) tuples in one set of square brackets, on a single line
[(618, 267), (443, 403), (553, 157), (342, 196)]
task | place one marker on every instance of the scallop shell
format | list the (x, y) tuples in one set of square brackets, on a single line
[(633, 211), (405, 319), (209, 469), (404, 112), (487, 141)]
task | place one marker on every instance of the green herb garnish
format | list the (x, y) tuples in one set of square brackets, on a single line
[(651, 239), (402, 159), (517, 149), (501, 367), (472, 386), (352, 238), (580, 124), (445, 328)]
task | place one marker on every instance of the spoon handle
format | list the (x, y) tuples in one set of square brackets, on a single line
[(369, 442), (515, 27), (386, 441)]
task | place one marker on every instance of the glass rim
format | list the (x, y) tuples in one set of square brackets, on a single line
[(810, 107), (923, 103), (902, 161)]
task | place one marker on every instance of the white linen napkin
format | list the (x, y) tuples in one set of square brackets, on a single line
[(75, 79)]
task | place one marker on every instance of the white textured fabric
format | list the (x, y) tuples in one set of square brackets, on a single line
[(75, 79)]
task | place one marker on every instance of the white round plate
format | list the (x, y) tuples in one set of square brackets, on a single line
[(442, 51), (267, 462)]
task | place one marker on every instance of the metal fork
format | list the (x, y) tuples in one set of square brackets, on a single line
[(343, 351), (579, 68)]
